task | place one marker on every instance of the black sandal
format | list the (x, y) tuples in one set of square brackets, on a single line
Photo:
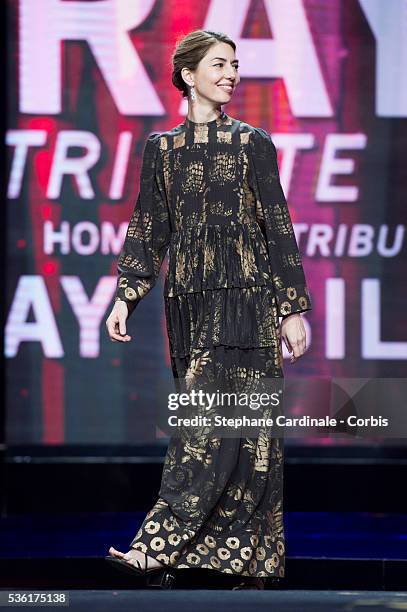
[(157, 577)]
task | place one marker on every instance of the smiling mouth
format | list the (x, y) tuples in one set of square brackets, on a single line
[(228, 88)]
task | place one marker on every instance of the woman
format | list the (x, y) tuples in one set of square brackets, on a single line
[(210, 192)]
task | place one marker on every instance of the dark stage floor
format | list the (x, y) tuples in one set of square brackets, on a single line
[(233, 601)]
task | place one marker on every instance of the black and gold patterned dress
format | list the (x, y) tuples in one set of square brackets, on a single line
[(210, 195)]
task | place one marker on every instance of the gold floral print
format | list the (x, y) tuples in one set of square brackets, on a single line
[(166, 204), (201, 548), (248, 260), (157, 543), (254, 540), (168, 525), (237, 565), (302, 300), (179, 140), (244, 137), (130, 293), (246, 552), (225, 137), (285, 308), (291, 293), (210, 541), (201, 134), (260, 553), (233, 543), (220, 208), (211, 198), (274, 218), (275, 519), (152, 527), (195, 368), (209, 261), (194, 177), (223, 553), (174, 539), (222, 168), (193, 558), (174, 557), (262, 462)]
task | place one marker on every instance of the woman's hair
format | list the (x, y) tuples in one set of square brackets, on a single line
[(190, 50)]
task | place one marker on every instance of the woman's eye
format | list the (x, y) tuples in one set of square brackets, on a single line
[(221, 64)]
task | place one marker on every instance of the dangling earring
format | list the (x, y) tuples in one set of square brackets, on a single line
[(193, 94)]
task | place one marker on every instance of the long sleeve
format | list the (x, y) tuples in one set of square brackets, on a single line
[(148, 233), (274, 219)]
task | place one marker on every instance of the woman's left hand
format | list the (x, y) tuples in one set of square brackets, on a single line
[(293, 333)]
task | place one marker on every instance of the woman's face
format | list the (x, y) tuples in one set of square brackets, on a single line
[(216, 76)]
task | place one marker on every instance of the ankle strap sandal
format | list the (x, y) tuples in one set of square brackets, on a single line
[(157, 577)]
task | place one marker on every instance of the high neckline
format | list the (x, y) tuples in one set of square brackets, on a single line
[(214, 122)]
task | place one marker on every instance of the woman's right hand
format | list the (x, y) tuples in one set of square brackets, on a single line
[(116, 322)]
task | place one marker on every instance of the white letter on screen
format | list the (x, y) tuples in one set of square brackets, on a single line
[(105, 26)]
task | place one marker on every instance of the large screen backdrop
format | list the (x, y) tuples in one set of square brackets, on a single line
[(87, 82)]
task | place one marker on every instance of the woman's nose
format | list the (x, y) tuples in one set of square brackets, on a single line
[(230, 74)]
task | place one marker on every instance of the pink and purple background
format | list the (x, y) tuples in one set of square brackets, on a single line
[(87, 82)]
